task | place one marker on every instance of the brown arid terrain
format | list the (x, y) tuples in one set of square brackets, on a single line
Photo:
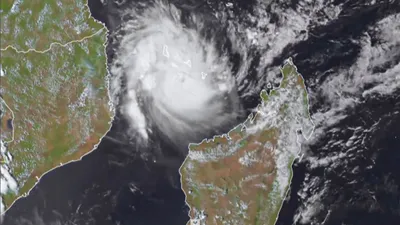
[(54, 90), (242, 177)]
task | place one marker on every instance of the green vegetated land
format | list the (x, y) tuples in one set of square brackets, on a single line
[(59, 97), (35, 24), (235, 178)]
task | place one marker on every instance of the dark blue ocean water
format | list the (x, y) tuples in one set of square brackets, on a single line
[(114, 185), (100, 189)]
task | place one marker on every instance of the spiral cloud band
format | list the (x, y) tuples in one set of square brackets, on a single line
[(176, 79)]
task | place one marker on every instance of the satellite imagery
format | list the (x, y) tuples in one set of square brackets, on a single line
[(200, 112)]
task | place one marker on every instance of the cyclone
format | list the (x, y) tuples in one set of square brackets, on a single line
[(170, 75), (183, 70)]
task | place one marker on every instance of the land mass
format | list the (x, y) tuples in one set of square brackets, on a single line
[(242, 177), (54, 98)]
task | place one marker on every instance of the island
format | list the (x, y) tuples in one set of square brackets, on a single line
[(243, 176)]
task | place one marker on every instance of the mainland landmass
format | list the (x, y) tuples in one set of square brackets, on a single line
[(242, 177), (54, 98)]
